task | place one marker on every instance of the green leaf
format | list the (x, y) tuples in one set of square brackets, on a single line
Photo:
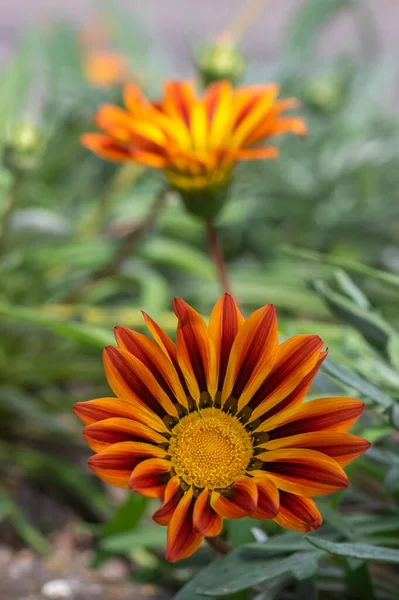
[(359, 579), (179, 256), (151, 536), (360, 551), (79, 332), (393, 350), (337, 521), (239, 571), (127, 516), (349, 287), (345, 375)]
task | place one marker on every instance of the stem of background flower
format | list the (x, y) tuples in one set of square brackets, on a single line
[(129, 243), (125, 176), (247, 15), (219, 545), (216, 254), (11, 206)]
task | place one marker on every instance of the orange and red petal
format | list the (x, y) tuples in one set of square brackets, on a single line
[(268, 499), (224, 323), (303, 472), (182, 541), (195, 350), (252, 355), (150, 477), (324, 414), (151, 355), (115, 464), (106, 147), (134, 99), (295, 359), (206, 521), (179, 97), (130, 378), (103, 408), (298, 513), (342, 447), (240, 500), (173, 493), (101, 434), (268, 152)]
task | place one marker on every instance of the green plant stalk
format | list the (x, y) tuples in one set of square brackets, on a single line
[(129, 243), (11, 206), (216, 254)]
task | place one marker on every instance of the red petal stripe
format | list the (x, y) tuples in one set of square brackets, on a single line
[(240, 500), (224, 323), (102, 408), (150, 477), (182, 541), (268, 499), (101, 434), (205, 520), (173, 493), (298, 513)]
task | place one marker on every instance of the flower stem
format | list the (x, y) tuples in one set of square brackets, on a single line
[(219, 545), (129, 243), (245, 17), (11, 206), (216, 254)]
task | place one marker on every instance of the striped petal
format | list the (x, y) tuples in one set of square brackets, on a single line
[(206, 521), (103, 408), (219, 104), (324, 414), (134, 99), (240, 500), (224, 323), (252, 356), (303, 472), (253, 118), (268, 499), (150, 477), (281, 412), (129, 377), (179, 97), (106, 147), (151, 355), (298, 513), (343, 447), (295, 359), (115, 464), (101, 434), (195, 350), (173, 493), (268, 152), (182, 541)]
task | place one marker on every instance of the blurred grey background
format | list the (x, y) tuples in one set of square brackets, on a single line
[(178, 24)]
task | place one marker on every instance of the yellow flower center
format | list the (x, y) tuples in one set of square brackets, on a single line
[(210, 449)]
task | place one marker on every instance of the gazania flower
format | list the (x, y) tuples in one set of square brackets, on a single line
[(104, 69), (215, 425), (195, 140)]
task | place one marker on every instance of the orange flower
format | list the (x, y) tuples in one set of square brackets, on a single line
[(195, 140), (104, 69), (215, 425)]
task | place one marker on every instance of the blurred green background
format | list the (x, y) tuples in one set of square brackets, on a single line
[(315, 232)]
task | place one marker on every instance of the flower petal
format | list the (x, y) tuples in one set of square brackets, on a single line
[(182, 541), (205, 520), (103, 408), (195, 350), (240, 500), (224, 323), (324, 414), (101, 434), (254, 116), (267, 152), (173, 493), (129, 378), (298, 513), (268, 499), (252, 356), (106, 147), (281, 412), (295, 359), (343, 447), (151, 355), (150, 477), (304, 472), (115, 464)]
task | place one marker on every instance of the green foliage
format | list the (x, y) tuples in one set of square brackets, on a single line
[(314, 232)]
